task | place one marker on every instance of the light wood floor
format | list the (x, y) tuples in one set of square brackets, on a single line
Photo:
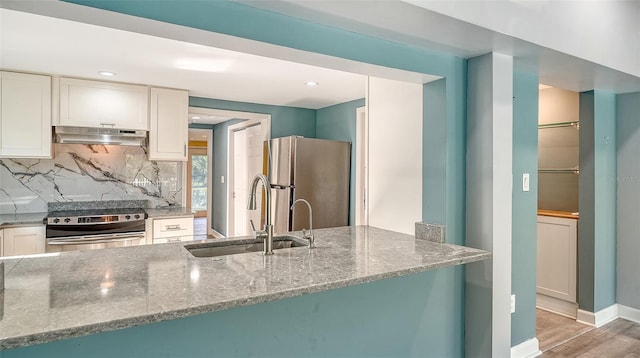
[(200, 226), (553, 329), (563, 337)]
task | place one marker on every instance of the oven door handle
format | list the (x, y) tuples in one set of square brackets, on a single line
[(104, 240)]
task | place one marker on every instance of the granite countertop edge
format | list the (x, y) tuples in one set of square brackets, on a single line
[(73, 332)]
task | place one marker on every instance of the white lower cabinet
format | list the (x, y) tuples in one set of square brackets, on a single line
[(172, 229), (23, 240), (557, 257)]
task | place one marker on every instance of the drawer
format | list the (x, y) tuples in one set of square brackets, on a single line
[(163, 228), (172, 239)]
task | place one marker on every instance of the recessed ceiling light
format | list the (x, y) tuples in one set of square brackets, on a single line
[(312, 83), (195, 117), (107, 73)]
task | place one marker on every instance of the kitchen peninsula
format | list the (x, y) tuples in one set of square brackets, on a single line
[(159, 299)]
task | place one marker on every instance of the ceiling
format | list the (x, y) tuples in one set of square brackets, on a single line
[(417, 26), (36, 43)]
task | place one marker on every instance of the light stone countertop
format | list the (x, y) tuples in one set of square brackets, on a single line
[(28, 219), (168, 211), (72, 294)]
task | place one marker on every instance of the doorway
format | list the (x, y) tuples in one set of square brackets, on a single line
[(557, 223), (198, 188), (197, 180), (245, 160)]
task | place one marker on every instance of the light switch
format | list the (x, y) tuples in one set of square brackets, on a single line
[(525, 182), (222, 179)]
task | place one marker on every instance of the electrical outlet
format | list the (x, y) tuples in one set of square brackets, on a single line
[(525, 182), (513, 303)]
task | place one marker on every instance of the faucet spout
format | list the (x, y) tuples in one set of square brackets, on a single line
[(267, 233), (307, 234)]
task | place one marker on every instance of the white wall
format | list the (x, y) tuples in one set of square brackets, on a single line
[(601, 31), (395, 154), (489, 201)]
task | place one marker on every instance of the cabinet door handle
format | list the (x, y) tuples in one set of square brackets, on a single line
[(108, 124), (172, 227), (185, 149)]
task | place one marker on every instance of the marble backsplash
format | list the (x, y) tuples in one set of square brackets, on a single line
[(83, 172)]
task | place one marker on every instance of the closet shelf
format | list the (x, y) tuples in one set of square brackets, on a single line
[(559, 170), (560, 124)]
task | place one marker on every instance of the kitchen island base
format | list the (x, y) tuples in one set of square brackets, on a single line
[(420, 314)]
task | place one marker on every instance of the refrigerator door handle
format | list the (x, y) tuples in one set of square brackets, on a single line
[(281, 187)]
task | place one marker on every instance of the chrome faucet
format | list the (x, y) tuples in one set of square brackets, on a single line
[(267, 233), (307, 234)]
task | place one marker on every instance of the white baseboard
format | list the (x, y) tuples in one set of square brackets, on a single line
[(599, 318), (556, 305), (606, 315), (629, 313), (586, 317), (527, 349)]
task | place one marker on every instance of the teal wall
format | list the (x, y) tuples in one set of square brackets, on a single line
[(285, 121), (597, 188), (525, 206), (338, 122), (446, 309), (402, 317), (628, 200)]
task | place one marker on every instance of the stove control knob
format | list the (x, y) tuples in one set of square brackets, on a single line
[(56, 220), (127, 217), (67, 220), (136, 216)]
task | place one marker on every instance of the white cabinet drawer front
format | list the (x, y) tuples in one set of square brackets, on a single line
[(163, 228), (172, 239), (103, 104)]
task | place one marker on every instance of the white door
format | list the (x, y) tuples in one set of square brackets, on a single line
[(240, 183), (255, 140), (247, 162)]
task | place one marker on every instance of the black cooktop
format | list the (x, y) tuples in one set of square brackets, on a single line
[(96, 212)]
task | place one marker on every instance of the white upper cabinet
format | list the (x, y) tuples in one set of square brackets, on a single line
[(169, 124), (25, 115), (86, 103)]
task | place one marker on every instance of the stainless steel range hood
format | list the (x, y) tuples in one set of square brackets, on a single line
[(110, 136)]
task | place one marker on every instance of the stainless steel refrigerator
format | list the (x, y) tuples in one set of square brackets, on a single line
[(316, 170)]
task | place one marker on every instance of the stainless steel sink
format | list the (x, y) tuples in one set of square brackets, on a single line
[(221, 248)]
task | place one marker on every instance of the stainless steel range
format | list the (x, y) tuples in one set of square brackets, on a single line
[(94, 229)]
